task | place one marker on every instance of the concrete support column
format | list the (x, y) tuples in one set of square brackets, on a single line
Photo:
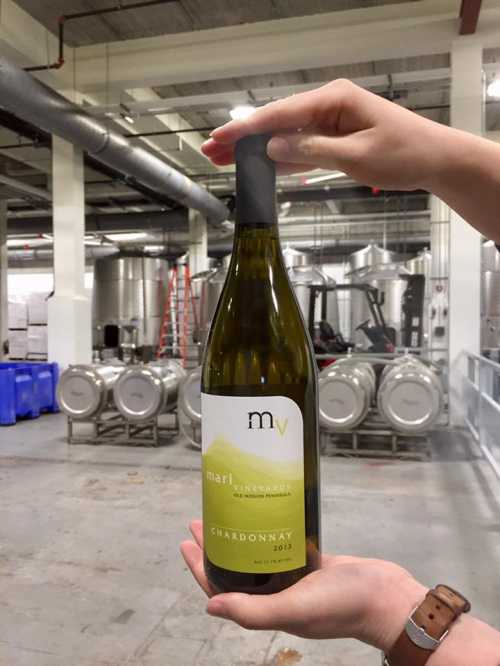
[(439, 329), (4, 308), (467, 110), (70, 325), (198, 242)]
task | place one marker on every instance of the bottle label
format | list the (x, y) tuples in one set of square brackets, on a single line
[(253, 483)]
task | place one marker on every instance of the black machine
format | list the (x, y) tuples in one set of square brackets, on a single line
[(381, 336), (327, 341)]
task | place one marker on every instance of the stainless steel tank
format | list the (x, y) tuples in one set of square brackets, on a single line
[(360, 263), (346, 392), (490, 296), (189, 407), (410, 397), (129, 293), (369, 256), (143, 392), (212, 283), (295, 258), (387, 278), (85, 391), (303, 275)]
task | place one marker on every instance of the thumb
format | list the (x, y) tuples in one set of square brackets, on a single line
[(256, 611), (328, 152)]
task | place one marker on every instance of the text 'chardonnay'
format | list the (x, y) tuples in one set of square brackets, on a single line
[(259, 410)]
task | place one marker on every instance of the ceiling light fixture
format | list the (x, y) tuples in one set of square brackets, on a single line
[(132, 236), (493, 89), (328, 176), (242, 112)]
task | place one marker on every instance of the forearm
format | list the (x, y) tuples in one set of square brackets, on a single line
[(469, 643), (467, 178)]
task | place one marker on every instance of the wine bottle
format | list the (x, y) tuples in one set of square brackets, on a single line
[(260, 455)]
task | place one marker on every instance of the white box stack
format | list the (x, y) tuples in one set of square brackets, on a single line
[(37, 341), (37, 309), (37, 326), (28, 318), (18, 315), (18, 329), (18, 345)]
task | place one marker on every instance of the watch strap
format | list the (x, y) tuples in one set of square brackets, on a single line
[(427, 627)]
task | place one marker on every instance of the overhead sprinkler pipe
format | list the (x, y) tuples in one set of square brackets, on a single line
[(63, 20), (36, 103)]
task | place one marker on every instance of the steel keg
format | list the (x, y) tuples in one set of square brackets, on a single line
[(410, 397), (346, 392), (144, 392), (190, 407), (84, 391)]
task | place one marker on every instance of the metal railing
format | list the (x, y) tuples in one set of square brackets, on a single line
[(481, 400)]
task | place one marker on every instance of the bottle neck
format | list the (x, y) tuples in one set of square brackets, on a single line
[(255, 183)]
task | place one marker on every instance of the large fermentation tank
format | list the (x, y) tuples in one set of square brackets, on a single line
[(377, 267), (85, 391), (128, 301), (369, 256), (346, 392), (303, 275), (490, 296), (144, 392), (190, 407), (411, 396), (209, 284)]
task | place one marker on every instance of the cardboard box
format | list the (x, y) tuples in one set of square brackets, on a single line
[(18, 344), (18, 314), (38, 309), (37, 340)]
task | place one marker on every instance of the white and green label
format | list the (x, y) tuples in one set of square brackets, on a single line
[(253, 483)]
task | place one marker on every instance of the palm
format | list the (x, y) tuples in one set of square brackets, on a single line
[(331, 602)]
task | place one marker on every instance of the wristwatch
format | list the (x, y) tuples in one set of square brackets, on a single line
[(427, 627)]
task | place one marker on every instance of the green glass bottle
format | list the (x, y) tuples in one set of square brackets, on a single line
[(261, 498)]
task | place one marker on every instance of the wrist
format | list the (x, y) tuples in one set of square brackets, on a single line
[(388, 613), (453, 160)]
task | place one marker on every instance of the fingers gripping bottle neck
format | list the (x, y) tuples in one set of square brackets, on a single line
[(260, 459)]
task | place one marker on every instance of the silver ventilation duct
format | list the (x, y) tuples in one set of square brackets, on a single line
[(31, 100), (43, 255), (218, 248)]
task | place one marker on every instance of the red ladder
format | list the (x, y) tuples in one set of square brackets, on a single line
[(182, 302)]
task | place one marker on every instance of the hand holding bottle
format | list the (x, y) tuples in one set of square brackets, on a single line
[(340, 126), (377, 143), (348, 597)]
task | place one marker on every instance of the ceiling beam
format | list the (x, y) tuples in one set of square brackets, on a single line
[(231, 98), (469, 16), (387, 31), (173, 121)]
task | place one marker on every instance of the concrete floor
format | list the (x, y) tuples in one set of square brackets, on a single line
[(90, 572)]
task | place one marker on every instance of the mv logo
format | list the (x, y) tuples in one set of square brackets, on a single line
[(265, 420)]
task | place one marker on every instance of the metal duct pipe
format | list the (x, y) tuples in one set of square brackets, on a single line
[(105, 222), (47, 254), (227, 247), (38, 104)]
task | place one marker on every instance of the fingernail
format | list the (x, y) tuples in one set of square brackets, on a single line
[(278, 149)]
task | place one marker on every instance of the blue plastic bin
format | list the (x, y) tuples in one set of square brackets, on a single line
[(26, 390)]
